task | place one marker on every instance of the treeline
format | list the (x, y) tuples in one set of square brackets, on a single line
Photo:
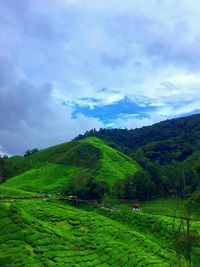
[(163, 142), (149, 182), (30, 152), (3, 168), (138, 186), (142, 185), (9, 166)]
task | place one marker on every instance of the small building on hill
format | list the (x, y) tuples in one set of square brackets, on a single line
[(136, 206)]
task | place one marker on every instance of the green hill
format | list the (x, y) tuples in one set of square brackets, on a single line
[(47, 232), (162, 142), (51, 169), (168, 151)]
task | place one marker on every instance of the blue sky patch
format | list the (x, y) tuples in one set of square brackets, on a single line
[(124, 108)]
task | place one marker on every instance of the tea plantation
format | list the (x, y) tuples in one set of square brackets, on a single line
[(43, 233), (50, 169), (40, 228)]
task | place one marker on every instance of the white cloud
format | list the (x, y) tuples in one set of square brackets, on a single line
[(71, 49), (133, 123)]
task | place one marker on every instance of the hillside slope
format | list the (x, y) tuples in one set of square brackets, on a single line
[(38, 233), (49, 170)]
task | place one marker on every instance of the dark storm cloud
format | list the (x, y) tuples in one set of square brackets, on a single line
[(20, 100), (29, 115)]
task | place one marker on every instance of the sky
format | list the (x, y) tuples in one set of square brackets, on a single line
[(68, 66)]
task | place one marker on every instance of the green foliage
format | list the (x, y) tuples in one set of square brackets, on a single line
[(48, 178), (87, 169), (108, 201), (9, 192), (193, 203), (183, 237), (118, 189), (71, 154), (85, 187), (41, 233), (169, 140), (1, 169), (113, 164), (139, 186), (160, 149), (163, 206)]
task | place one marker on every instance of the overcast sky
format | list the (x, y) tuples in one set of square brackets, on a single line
[(67, 66)]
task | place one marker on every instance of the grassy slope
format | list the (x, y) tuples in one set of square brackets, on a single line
[(51, 168), (114, 164), (163, 206), (9, 192), (39, 233), (156, 220), (50, 177)]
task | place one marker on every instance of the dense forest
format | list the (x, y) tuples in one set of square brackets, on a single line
[(168, 151)]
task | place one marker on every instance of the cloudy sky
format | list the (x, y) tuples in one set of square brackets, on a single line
[(67, 66)]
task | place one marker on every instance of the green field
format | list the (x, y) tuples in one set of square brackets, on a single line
[(35, 232), (9, 192), (41, 233)]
